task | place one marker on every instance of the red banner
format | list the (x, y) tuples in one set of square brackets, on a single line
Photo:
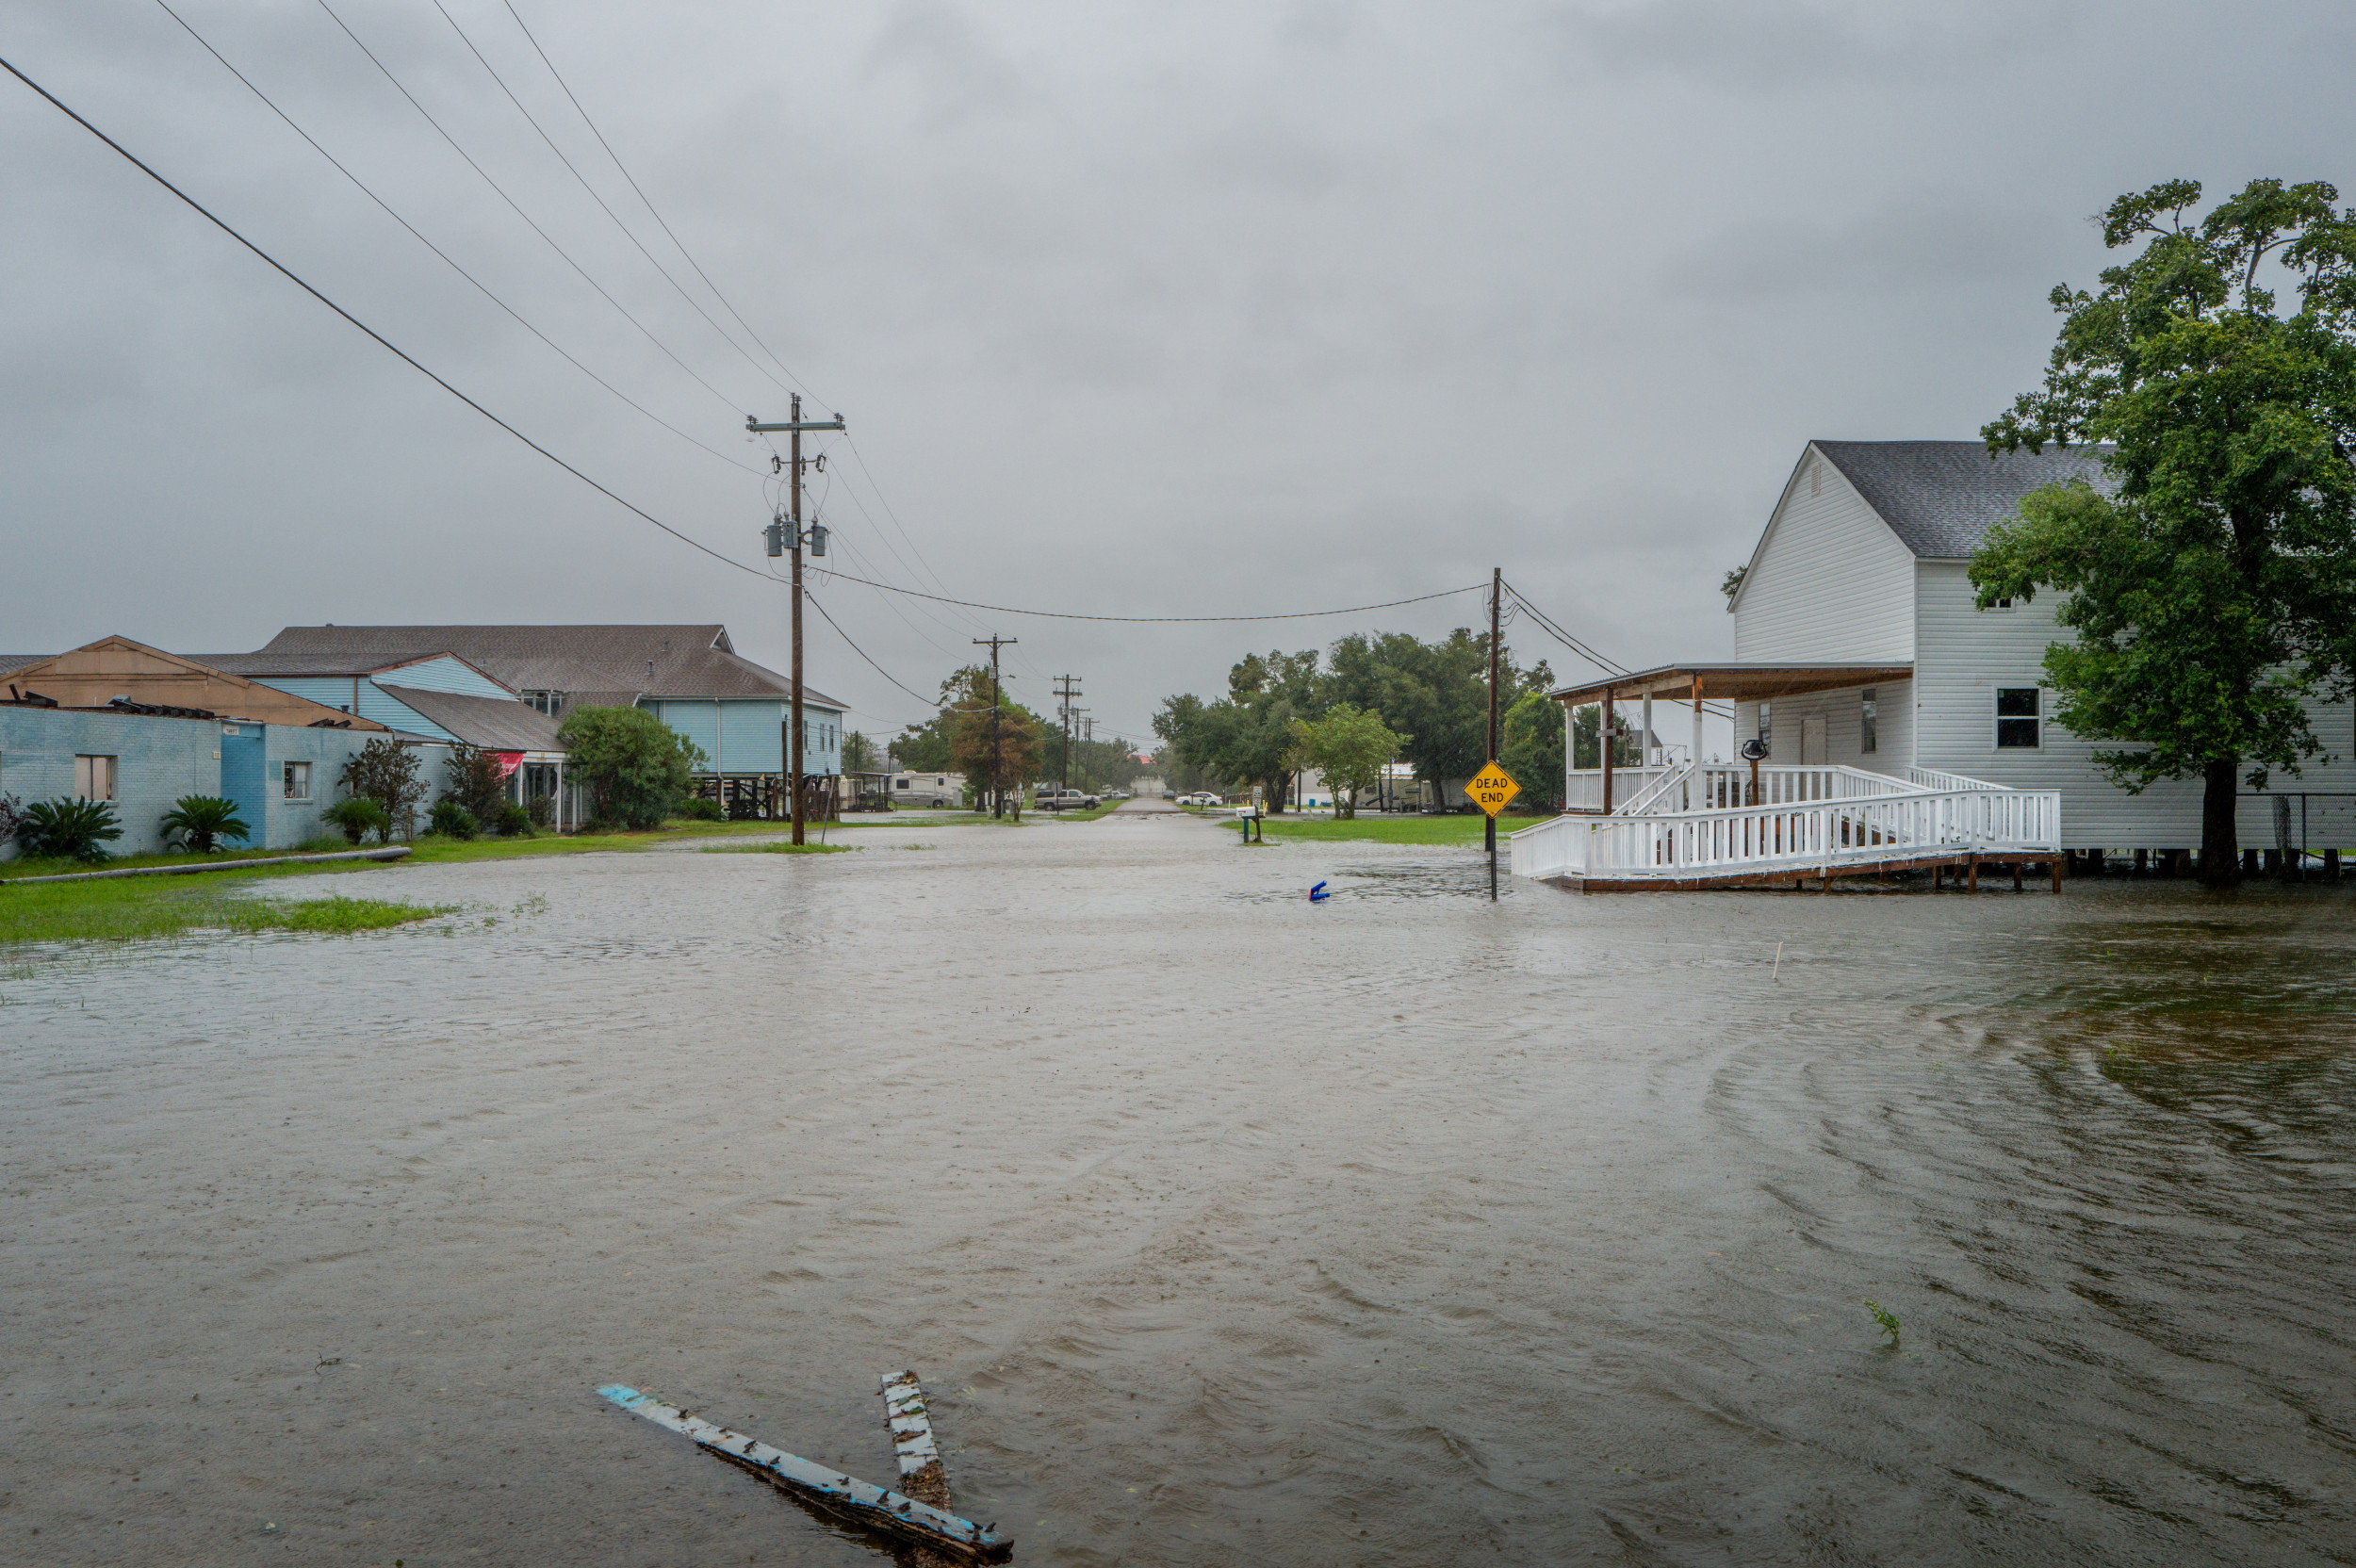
[(509, 761)]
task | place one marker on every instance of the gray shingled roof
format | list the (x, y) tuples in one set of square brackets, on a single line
[(495, 723), (18, 661), (608, 663), (1941, 498)]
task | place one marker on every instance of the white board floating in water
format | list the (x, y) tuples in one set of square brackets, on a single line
[(830, 1489), (911, 1425)]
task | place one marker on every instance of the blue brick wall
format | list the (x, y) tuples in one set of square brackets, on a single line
[(158, 760)]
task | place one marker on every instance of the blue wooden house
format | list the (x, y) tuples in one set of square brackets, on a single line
[(413, 678)]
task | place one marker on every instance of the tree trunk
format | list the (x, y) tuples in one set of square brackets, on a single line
[(2220, 852)]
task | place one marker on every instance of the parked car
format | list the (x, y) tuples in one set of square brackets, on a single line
[(1063, 800), (1201, 797)]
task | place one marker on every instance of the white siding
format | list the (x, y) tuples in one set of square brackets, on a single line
[(1963, 654), (1830, 583), (1843, 712)]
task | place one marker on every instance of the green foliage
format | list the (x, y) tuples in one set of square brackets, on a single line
[(637, 768), (2215, 587), (966, 699), (541, 809), (1888, 1319), (143, 907), (387, 771), (1435, 694), (1733, 584), (1531, 751), (199, 820), (699, 809), (859, 754), (1351, 747), (515, 822), (930, 747), (68, 829), (11, 817), (357, 818), (475, 780), (453, 821)]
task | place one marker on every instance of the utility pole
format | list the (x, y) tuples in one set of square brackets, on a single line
[(793, 731), (997, 702), (1497, 588), (1064, 690)]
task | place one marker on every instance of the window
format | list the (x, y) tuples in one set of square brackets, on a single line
[(1868, 738), (2001, 604), (94, 777), (1765, 743), (551, 703), (2019, 717), (298, 781), (899, 783)]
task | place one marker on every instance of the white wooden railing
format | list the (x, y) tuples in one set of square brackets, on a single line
[(1719, 786), (1799, 834), (1931, 778)]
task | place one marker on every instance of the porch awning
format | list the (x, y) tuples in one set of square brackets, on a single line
[(1731, 682)]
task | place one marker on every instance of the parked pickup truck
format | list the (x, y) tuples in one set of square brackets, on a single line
[(1063, 800)]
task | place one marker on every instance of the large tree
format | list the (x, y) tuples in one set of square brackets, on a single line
[(2212, 587), (1351, 747), (1436, 693)]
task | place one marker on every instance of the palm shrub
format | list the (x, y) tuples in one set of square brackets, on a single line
[(453, 821), (69, 829), (199, 820), (514, 820), (357, 817)]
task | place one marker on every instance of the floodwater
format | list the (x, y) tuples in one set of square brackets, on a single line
[(1227, 1228)]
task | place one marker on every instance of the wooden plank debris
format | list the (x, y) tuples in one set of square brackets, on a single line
[(922, 1473), (906, 1516)]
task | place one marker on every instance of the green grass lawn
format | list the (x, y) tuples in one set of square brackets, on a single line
[(142, 907), (12, 870), (1417, 829), (1090, 814)]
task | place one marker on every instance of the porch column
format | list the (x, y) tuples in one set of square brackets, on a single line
[(1570, 754), (1695, 775), (1644, 742), (1603, 738), (559, 812)]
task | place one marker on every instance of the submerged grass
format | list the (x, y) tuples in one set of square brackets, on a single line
[(144, 909), (1452, 829), (782, 847)]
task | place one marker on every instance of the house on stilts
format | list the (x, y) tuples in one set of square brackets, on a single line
[(1883, 720)]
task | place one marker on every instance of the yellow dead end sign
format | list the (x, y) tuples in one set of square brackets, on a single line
[(1491, 788)]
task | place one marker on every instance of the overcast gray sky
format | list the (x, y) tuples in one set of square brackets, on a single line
[(1180, 310)]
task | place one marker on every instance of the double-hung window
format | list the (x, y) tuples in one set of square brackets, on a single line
[(94, 777), (2019, 718), (1869, 738), (298, 777)]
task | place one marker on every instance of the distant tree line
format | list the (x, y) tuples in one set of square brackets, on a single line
[(1426, 704)]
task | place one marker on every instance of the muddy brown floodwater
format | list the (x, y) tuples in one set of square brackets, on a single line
[(1227, 1228)]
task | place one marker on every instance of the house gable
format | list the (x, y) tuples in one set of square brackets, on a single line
[(1829, 582)]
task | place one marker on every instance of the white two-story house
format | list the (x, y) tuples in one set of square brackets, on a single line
[(1857, 644)]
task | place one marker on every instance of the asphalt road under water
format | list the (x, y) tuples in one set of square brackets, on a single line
[(1401, 1229)]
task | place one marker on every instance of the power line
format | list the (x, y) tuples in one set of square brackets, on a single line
[(1606, 666), (421, 239), (518, 210), (692, 304), (379, 338), (649, 200), (862, 652), (1068, 615)]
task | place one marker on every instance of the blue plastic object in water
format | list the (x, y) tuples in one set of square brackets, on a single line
[(1317, 894)]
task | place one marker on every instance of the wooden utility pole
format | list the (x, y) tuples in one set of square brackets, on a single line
[(997, 702), (1497, 588), (794, 725), (1066, 691)]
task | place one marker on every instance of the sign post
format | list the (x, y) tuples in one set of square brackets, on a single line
[(1491, 788)]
